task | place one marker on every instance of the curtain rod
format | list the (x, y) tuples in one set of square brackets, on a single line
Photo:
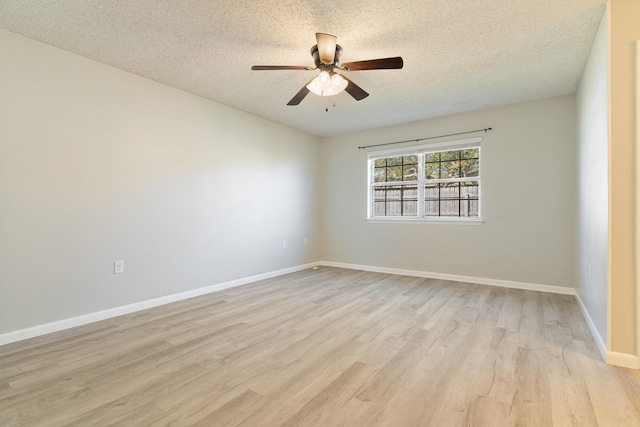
[(424, 139)]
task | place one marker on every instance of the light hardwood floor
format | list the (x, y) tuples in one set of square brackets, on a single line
[(330, 347)]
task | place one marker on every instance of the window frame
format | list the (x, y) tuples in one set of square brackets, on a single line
[(421, 151)]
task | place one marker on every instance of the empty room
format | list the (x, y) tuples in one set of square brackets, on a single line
[(297, 213)]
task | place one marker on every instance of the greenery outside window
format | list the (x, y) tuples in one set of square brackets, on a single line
[(433, 181)]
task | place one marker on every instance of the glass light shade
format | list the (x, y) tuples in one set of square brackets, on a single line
[(326, 47), (326, 85), (323, 81), (338, 82)]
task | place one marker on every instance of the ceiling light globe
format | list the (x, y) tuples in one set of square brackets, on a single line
[(323, 81), (338, 82)]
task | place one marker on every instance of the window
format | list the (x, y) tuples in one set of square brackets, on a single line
[(430, 181)]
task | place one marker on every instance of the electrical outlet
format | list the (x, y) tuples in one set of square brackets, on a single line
[(118, 267), (284, 244), (306, 241)]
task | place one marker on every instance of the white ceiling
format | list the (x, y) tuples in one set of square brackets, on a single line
[(459, 55)]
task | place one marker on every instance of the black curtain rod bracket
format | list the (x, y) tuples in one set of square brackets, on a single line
[(485, 130)]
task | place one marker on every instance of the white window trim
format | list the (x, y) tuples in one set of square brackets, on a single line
[(420, 150), (448, 220)]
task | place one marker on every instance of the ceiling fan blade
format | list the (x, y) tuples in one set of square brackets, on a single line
[(354, 90), (280, 67), (298, 97), (326, 47), (374, 64)]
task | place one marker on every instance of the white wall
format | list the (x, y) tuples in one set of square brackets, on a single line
[(528, 200), (592, 101), (98, 165)]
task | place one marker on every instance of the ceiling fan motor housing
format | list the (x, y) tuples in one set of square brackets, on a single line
[(326, 67)]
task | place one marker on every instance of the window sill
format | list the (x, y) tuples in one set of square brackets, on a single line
[(442, 221)]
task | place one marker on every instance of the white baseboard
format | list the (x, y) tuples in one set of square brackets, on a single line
[(456, 278), (594, 331), (60, 325), (623, 360)]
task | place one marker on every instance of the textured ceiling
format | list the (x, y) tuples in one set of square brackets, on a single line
[(458, 55)]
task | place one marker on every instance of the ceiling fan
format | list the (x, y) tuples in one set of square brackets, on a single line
[(326, 55)]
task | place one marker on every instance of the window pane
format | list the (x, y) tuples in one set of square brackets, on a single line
[(394, 173), (431, 208), (469, 193), (469, 189), (409, 200), (472, 153), (432, 200), (379, 175), (380, 163), (410, 173), (393, 208), (473, 209), (410, 208), (393, 193), (449, 208), (395, 200), (394, 204), (432, 170), (378, 194), (432, 191), (450, 155), (432, 157), (449, 191), (470, 167), (451, 199), (413, 159), (394, 161), (450, 169)]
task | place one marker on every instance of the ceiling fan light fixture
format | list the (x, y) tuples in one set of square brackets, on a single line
[(326, 84)]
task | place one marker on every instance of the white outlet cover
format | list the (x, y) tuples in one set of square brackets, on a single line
[(118, 267)]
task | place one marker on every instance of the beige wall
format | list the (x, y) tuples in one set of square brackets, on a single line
[(98, 165), (624, 30), (528, 200)]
